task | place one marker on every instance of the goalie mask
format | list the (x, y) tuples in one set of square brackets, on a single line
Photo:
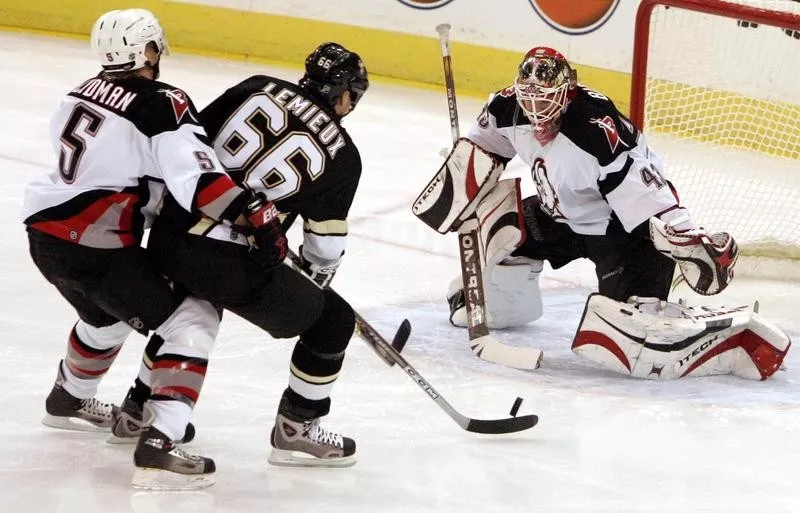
[(543, 86), (120, 38), (331, 70)]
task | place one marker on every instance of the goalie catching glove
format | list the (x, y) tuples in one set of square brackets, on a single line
[(706, 260)]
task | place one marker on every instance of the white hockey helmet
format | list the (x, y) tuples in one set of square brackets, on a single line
[(543, 85), (119, 38)]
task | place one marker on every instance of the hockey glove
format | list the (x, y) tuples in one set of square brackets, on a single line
[(268, 244), (321, 274), (706, 260)]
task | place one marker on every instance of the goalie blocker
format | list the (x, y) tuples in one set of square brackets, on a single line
[(466, 177), (654, 339)]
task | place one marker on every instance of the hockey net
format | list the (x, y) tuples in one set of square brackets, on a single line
[(716, 88)]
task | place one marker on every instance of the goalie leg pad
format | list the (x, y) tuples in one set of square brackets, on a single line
[(501, 224), (654, 339), (513, 297), (468, 174)]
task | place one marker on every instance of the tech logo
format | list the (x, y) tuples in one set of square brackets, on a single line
[(575, 16), (425, 4)]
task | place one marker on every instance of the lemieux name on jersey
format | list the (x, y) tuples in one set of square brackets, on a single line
[(105, 93), (311, 115)]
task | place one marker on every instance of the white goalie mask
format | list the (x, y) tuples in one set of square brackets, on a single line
[(119, 39), (543, 85)]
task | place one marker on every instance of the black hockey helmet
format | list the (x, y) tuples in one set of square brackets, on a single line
[(331, 70)]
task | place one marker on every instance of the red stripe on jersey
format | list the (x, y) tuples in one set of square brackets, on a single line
[(214, 190), (72, 228)]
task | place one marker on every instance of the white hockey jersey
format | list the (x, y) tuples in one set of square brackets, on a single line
[(118, 144), (597, 166)]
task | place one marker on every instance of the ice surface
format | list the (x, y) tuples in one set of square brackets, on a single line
[(604, 443)]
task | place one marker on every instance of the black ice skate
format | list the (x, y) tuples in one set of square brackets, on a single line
[(130, 422), (65, 411), (305, 443), (162, 465)]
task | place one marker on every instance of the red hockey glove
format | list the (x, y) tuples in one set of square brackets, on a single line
[(267, 241)]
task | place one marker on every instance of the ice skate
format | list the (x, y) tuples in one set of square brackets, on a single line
[(65, 411), (130, 422), (162, 465), (305, 443)]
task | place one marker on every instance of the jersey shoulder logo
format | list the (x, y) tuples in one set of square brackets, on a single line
[(610, 129), (180, 103)]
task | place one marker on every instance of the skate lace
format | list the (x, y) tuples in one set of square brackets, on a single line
[(320, 435), (94, 407)]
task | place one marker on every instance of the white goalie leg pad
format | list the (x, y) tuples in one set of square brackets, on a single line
[(468, 174), (501, 227), (654, 339), (513, 297)]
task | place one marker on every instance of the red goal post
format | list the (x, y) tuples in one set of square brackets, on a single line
[(716, 89)]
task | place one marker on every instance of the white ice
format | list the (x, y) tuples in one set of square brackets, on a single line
[(604, 443)]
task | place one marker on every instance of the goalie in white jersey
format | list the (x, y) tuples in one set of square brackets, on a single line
[(121, 138), (601, 195)]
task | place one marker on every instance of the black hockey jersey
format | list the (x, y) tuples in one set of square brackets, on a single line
[(274, 137), (118, 144), (597, 166)]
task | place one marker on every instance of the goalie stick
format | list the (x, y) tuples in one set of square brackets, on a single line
[(390, 353), (481, 341)]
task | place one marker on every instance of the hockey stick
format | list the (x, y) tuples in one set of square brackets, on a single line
[(390, 353), (363, 328), (481, 341), (511, 424)]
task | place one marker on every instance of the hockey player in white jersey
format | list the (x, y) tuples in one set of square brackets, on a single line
[(121, 138), (602, 195)]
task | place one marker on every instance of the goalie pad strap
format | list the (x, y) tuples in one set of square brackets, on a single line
[(468, 174)]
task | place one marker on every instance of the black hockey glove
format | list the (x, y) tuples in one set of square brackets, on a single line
[(267, 241), (321, 274)]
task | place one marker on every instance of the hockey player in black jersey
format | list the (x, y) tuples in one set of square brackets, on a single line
[(602, 194), (122, 138), (284, 141)]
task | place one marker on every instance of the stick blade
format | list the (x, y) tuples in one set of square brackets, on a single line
[(401, 336), (502, 426), (399, 340), (492, 350)]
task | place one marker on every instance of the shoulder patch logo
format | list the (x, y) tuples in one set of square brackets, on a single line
[(180, 103), (610, 129)]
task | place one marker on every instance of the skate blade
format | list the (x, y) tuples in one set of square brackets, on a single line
[(157, 479), (285, 458), (73, 424)]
